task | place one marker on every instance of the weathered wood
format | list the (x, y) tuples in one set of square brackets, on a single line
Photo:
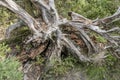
[(29, 20), (13, 27), (49, 38), (109, 19), (52, 31)]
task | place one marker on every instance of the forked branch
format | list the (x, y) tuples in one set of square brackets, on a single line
[(54, 33), (29, 20)]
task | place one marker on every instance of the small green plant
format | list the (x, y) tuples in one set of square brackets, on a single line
[(39, 60), (61, 68), (108, 71), (9, 70), (95, 72), (8, 67), (110, 60), (100, 39), (3, 49)]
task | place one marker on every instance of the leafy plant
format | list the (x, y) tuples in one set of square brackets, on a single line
[(39, 60), (96, 72), (100, 39), (61, 68), (108, 71), (9, 70), (8, 67), (3, 49)]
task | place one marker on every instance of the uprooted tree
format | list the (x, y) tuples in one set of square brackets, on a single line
[(50, 38)]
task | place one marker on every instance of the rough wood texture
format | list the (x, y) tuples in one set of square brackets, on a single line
[(54, 35), (53, 23)]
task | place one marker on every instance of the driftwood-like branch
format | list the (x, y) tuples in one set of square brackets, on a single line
[(53, 32), (40, 6), (109, 19), (77, 52), (54, 11), (29, 20), (80, 27), (48, 9), (41, 3), (79, 18), (44, 15), (13, 27), (79, 22)]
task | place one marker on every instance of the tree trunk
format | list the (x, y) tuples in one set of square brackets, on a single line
[(51, 39)]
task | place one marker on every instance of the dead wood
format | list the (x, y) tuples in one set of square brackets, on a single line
[(53, 22), (56, 36)]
